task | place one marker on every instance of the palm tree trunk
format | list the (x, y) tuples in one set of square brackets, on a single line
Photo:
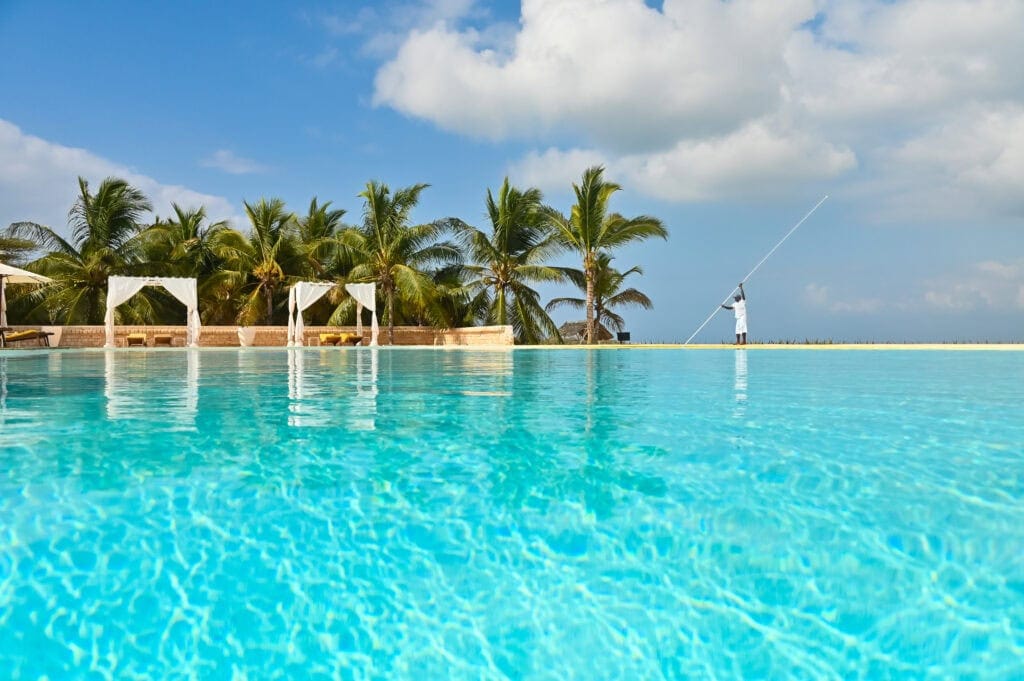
[(391, 318), (502, 312), (588, 272), (270, 304)]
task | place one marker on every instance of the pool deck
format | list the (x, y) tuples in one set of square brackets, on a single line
[(1018, 347)]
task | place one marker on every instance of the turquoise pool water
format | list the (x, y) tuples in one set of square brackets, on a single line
[(572, 514)]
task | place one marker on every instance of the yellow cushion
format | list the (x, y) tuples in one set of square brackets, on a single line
[(350, 337), (328, 336), (137, 335), (19, 335)]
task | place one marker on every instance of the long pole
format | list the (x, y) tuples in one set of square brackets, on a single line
[(751, 272)]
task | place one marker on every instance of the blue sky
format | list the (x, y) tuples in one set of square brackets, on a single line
[(726, 120)]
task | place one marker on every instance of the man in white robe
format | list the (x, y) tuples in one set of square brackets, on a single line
[(739, 306)]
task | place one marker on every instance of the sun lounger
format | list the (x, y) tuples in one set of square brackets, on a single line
[(135, 339), (340, 339), (163, 339), (43, 337)]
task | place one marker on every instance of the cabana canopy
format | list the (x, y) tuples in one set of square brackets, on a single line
[(14, 275), (120, 289), (305, 293), (366, 296), (301, 296)]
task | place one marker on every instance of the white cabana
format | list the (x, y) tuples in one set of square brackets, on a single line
[(15, 275), (366, 296), (300, 297), (120, 289)]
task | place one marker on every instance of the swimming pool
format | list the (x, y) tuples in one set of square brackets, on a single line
[(402, 513)]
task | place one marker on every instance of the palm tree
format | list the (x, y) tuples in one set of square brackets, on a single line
[(393, 254), (511, 258), (14, 250), (590, 229), (257, 265), (104, 240), (318, 231), (608, 293), (184, 244)]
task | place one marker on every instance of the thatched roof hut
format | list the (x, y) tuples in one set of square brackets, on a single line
[(576, 332)]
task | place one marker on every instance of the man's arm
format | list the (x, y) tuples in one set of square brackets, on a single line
[(727, 307), (743, 294)]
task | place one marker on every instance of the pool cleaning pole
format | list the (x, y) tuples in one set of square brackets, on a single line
[(751, 273)]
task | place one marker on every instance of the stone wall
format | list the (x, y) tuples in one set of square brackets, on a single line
[(271, 336)]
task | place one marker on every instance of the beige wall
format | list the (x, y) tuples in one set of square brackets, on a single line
[(266, 336)]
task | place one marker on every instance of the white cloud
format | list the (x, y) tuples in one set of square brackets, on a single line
[(708, 99), (324, 58), (229, 162), (38, 181), (971, 164), (988, 284), (698, 67), (755, 160), (913, 58), (553, 168), (820, 296), (385, 25)]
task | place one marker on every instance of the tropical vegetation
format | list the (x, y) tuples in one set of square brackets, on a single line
[(590, 230), (105, 239), (505, 263), (609, 294), (443, 272)]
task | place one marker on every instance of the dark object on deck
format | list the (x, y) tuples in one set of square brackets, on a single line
[(622, 336)]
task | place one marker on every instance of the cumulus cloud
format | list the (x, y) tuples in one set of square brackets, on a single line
[(38, 181), (821, 297), (971, 164), (696, 66), (385, 25), (988, 284), (554, 167), (229, 162), (706, 99), (913, 58), (755, 160)]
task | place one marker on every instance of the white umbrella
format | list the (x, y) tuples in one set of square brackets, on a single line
[(15, 276)]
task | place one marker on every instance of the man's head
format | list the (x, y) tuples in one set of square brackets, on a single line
[(736, 298)]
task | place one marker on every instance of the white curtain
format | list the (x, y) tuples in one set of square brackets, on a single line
[(291, 317), (300, 297), (185, 290), (120, 289), (366, 296), (3, 301)]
